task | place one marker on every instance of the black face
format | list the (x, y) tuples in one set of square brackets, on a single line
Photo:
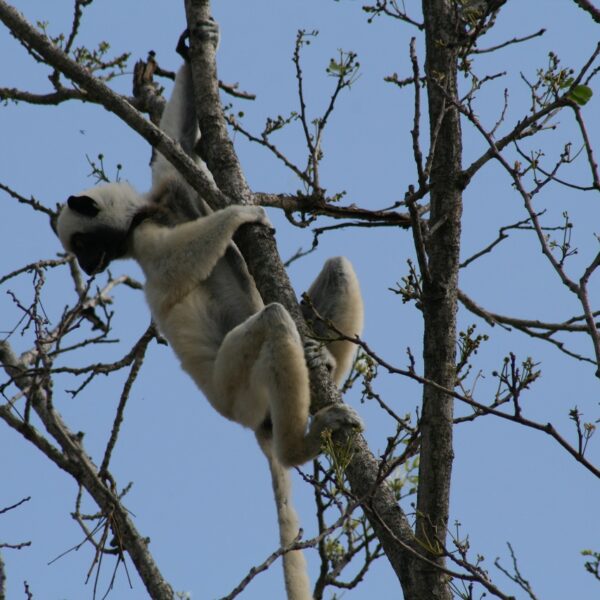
[(96, 249)]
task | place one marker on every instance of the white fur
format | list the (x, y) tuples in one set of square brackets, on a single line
[(247, 358), (118, 203), (175, 124)]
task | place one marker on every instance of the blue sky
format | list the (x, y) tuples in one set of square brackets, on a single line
[(201, 486)]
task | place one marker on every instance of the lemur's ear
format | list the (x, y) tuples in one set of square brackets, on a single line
[(84, 205)]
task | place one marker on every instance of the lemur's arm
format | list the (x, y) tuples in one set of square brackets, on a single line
[(179, 123), (192, 248)]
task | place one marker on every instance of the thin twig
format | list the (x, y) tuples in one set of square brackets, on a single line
[(515, 40)]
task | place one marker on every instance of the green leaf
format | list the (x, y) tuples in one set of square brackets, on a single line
[(567, 83), (580, 94)]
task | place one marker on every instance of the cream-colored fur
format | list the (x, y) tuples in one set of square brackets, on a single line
[(246, 357)]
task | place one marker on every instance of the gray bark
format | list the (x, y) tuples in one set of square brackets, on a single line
[(440, 298)]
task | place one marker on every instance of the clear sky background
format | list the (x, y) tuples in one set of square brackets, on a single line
[(201, 486)]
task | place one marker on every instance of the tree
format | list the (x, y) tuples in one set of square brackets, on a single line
[(476, 142)]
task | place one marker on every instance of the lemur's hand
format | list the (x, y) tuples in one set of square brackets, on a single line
[(205, 30)]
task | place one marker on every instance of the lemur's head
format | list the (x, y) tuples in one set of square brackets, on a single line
[(94, 225)]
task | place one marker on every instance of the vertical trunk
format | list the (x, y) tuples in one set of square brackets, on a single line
[(440, 291)]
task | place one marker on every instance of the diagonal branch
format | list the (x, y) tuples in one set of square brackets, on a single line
[(70, 456), (260, 252), (590, 8), (99, 92)]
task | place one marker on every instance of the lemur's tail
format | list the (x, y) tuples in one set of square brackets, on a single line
[(295, 573)]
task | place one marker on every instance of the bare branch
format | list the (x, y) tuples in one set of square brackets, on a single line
[(264, 141), (316, 205), (390, 8), (77, 14), (13, 506), (40, 264), (30, 202), (52, 98), (515, 40), (72, 458), (312, 149), (588, 146), (418, 156), (524, 128), (138, 353), (516, 574), (590, 8), (418, 238), (547, 428), (525, 324)]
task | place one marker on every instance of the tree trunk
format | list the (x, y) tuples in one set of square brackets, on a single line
[(440, 297)]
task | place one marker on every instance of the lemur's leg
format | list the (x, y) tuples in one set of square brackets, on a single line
[(261, 381), (335, 295), (260, 373)]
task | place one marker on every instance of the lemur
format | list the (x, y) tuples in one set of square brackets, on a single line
[(247, 358)]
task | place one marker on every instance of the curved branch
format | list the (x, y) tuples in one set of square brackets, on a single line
[(478, 407), (529, 327)]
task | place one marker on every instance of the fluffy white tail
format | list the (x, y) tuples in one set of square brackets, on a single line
[(295, 573)]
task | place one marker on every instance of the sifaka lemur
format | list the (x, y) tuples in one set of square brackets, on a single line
[(247, 358)]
